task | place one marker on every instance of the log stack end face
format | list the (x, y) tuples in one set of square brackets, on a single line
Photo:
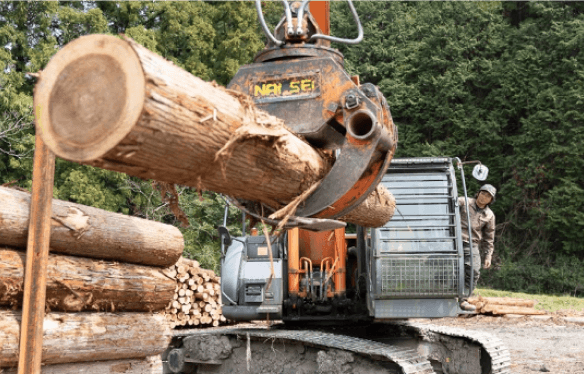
[(96, 80)]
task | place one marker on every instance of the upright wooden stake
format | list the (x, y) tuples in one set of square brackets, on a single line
[(37, 254)]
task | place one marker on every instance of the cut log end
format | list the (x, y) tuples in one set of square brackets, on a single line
[(88, 99)]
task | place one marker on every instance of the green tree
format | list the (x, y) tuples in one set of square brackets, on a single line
[(499, 82)]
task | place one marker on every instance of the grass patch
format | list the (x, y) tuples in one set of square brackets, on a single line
[(548, 303)]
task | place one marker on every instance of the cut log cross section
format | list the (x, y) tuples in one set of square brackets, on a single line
[(113, 104), (198, 304)]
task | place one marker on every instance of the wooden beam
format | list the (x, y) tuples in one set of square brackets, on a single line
[(37, 254)]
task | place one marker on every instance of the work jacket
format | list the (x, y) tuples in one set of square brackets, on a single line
[(483, 225)]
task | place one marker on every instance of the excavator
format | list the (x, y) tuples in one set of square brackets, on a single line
[(314, 285)]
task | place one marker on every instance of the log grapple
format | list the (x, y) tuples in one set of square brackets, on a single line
[(299, 78)]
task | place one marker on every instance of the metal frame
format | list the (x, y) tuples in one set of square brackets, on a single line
[(452, 216)]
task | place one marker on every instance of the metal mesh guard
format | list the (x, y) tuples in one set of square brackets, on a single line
[(419, 277)]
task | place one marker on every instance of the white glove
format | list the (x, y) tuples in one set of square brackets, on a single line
[(487, 262)]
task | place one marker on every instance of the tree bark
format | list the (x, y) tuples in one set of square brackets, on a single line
[(82, 337), (79, 284), (90, 232), (115, 105), (149, 365)]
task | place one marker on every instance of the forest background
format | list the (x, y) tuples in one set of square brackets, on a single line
[(499, 82)]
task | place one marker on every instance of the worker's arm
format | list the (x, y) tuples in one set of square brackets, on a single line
[(488, 241)]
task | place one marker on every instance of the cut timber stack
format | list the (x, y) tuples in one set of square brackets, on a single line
[(197, 297), (504, 305), (99, 262)]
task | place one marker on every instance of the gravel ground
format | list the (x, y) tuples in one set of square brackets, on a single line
[(553, 343)]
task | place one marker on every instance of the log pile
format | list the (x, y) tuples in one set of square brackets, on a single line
[(504, 305), (197, 296), (105, 283)]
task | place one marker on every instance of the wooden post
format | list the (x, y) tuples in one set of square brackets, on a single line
[(37, 255)]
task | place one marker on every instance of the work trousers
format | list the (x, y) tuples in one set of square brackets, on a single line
[(475, 268)]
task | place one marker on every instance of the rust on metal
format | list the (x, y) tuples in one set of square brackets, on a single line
[(37, 255)]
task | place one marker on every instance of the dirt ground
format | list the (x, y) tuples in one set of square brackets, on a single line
[(549, 343)]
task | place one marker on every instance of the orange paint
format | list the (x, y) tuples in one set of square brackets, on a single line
[(316, 245), (328, 250), (340, 277), (320, 10), (293, 262)]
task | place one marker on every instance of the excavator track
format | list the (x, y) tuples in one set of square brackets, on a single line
[(408, 360), (500, 358), (494, 356)]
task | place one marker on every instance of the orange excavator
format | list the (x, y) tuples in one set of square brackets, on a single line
[(332, 290)]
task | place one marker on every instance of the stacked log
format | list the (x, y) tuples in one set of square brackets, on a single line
[(197, 296), (504, 305), (77, 284), (81, 230), (82, 337), (149, 365), (105, 289)]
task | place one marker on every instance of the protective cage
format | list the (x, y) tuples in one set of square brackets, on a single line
[(418, 253), (418, 276)]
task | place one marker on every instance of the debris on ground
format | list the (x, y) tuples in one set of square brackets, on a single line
[(504, 306)]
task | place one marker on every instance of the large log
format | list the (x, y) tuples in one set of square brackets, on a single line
[(90, 232), (81, 337), (75, 284), (149, 365), (115, 105)]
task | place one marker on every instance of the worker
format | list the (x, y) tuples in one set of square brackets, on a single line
[(483, 235)]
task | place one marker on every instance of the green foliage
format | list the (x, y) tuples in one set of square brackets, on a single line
[(497, 82), (561, 276)]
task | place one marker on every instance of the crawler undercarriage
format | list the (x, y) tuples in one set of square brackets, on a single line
[(391, 347)]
